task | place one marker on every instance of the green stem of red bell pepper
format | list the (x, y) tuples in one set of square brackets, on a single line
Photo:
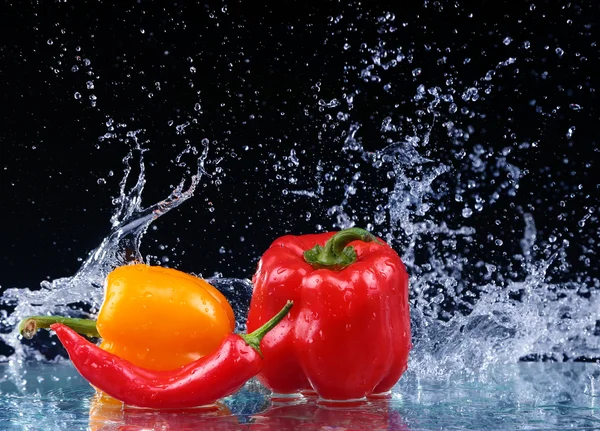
[(29, 326), (253, 339), (337, 254)]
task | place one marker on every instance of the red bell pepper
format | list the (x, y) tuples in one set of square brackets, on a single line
[(348, 335), (198, 383)]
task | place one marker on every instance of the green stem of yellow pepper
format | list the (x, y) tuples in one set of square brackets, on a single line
[(29, 326)]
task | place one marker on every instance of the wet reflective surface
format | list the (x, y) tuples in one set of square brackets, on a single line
[(538, 396)]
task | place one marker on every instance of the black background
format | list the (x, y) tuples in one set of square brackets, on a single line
[(261, 71)]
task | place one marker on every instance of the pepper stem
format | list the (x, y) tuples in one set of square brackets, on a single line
[(337, 254), (253, 339), (29, 326)]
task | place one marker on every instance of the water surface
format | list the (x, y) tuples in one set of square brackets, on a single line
[(532, 396)]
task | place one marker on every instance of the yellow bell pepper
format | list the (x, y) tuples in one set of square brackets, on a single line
[(161, 318)]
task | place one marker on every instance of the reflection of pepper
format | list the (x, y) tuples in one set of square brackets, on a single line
[(349, 334), (374, 415), (161, 318), (108, 414), (201, 382), (291, 415)]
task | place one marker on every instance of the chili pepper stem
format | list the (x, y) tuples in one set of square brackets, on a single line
[(29, 326), (253, 339), (336, 254)]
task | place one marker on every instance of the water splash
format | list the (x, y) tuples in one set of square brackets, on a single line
[(82, 294), (470, 309)]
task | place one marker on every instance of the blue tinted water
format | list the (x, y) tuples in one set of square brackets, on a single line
[(528, 396)]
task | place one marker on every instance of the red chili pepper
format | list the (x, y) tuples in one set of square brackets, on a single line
[(198, 383), (349, 333)]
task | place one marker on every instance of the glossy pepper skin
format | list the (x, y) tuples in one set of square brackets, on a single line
[(349, 334), (202, 382), (161, 318)]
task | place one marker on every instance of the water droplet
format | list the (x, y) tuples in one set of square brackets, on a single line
[(581, 223), (331, 104), (417, 71), (438, 299), (575, 107), (467, 212), (77, 95), (507, 41)]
